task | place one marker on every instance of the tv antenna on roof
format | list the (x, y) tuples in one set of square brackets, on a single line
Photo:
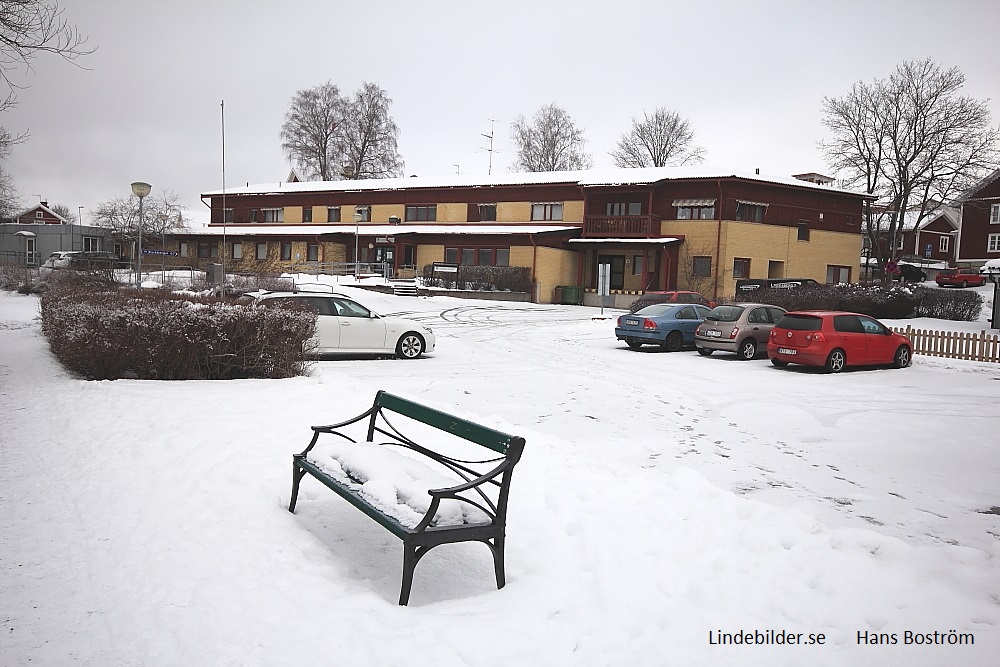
[(490, 149)]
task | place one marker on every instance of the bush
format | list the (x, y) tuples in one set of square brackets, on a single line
[(481, 278), (109, 333), (891, 302)]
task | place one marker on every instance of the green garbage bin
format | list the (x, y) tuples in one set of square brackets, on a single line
[(572, 295)]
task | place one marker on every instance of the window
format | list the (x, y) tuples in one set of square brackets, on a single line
[(546, 211), (487, 212), (636, 265), (254, 214), (91, 244), (995, 214), (803, 231), (623, 208), (261, 251), (238, 250), (899, 242), (183, 249), (286, 252), (993, 243), (477, 256), (307, 214), (333, 214), (943, 243), (838, 274), (208, 250), (229, 215), (696, 213), (312, 252), (701, 267), (421, 213), (273, 214), (750, 211), (366, 213), (741, 267)]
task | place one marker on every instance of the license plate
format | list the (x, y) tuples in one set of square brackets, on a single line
[(785, 350), (713, 333), (632, 323)]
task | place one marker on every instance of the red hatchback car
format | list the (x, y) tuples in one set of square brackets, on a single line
[(834, 340), (960, 278)]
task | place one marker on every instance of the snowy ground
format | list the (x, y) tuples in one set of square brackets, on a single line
[(662, 498)]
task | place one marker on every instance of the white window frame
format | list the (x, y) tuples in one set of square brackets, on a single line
[(237, 250), (272, 214), (995, 214), (260, 247), (993, 243), (944, 243), (91, 244), (183, 252), (547, 211)]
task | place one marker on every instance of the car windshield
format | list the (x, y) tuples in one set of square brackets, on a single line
[(725, 313), (800, 322), (656, 309)]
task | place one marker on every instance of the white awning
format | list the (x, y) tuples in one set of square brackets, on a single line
[(688, 203), (666, 240), (752, 203)]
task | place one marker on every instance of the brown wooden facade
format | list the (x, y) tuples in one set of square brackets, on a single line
[(979, 223)]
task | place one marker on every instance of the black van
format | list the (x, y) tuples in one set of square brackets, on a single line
[(750, 284)]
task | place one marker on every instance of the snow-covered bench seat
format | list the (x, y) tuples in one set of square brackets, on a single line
[(424, 500)]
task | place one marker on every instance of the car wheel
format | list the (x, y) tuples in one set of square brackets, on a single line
[(779, 363), (836, 361), (673, 341), (705, 352), (410, 346), (633, 343), (923, 277), (965, 283), (903, 357), (748, 349)]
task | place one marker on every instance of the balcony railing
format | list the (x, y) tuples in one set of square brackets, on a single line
[(627, 226)]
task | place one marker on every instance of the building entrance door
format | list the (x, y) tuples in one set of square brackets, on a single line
[(387, 254), (617, 263)]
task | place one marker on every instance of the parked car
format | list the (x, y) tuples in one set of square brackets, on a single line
[(669, 325), (670, 296), (960, 278), (909, 272), (742, 328), (59, 259), (344, 326), (834, 340)]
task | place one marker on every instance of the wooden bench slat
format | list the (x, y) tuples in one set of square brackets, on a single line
[(482, 435)]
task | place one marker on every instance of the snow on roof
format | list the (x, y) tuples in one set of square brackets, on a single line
[(375, 230), (593, 177), (663, 239)]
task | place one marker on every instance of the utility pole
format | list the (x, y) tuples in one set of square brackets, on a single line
[(490, 149)]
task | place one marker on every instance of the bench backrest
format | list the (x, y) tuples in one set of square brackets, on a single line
[(485, 436)]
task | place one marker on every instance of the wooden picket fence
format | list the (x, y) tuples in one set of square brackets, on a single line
[(953, 344)]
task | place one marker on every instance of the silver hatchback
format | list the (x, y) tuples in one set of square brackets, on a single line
[(742, 328)]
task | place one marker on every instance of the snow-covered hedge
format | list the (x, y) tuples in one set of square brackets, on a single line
[(889, 302), (155, 334), (481, 278)]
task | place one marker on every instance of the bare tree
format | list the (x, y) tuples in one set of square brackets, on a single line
[(370, 136), (328, 136), (311, 135), (549, 142), (30, 27), (663, 139), (9, 199), (912, 141), (161, 214), (63, 210)]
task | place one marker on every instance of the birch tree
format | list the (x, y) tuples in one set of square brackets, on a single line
[(661, 140), (550, 141)]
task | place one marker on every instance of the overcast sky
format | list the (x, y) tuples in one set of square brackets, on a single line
[(749, 75)]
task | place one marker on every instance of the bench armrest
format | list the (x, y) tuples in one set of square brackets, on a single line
[(472, 483)]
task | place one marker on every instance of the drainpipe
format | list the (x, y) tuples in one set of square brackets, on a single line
[(718, 243), (534, 263)]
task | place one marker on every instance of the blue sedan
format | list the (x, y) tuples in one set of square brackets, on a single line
[(669, 325)]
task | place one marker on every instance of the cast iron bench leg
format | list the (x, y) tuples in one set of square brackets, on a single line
[(297, 475), (497, 550), (409, 562)]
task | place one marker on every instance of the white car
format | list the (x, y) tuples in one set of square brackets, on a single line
[(59, 259), (344, 326)]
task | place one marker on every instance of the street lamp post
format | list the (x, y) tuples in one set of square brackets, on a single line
[(140, 190), (357, 227)]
